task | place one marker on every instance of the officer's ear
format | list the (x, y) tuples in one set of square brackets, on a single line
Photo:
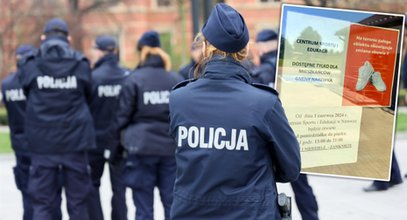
[(43, 37), (69, 39)]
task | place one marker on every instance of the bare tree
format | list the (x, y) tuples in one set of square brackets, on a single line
[(76, 14), (21, 21), (12, 14)]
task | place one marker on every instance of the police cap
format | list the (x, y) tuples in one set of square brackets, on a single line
[(56, 24), (226, 29), (149, 38), (266, 35), (105, 43)]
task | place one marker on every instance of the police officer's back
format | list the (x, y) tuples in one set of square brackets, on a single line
[(107, 79), (58, 126), (143, 121), (234, 141), (57, 83)]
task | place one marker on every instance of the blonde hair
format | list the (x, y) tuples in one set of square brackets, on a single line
[(211, 50), (147, 51)]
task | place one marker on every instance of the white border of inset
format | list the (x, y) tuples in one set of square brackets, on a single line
[(399, 51)]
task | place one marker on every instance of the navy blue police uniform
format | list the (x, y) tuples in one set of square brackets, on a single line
[(229, 146), (143, 121), (14, 101), (187, 71), (265, 74), (232, 147), (107, 79), (58, 124)]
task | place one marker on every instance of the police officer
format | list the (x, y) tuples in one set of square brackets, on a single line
[(58, 124), (234, 140), (196, 55), (107, 79), (142, 119), (266, 44), (267, 41), (14, 100)]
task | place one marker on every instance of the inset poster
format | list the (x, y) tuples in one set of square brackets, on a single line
[(337, 76)]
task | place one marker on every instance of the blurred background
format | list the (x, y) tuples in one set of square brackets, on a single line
[(177, 21)]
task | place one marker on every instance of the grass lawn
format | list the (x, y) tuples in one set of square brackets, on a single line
[(5, 145), (401, 122)]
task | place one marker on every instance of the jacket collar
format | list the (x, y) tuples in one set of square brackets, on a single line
[(219, 67), (109, 59), (55, 47), (153, 61)]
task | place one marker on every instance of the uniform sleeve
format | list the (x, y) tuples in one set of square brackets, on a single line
[(127, 104), (87, 77), (23, 80), (285, 150), (126, 108)]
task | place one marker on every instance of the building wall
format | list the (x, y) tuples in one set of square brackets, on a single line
[(129, 19)]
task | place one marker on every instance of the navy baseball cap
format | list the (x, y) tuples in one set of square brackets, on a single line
[(149, 38), (226, 29), (105, 43), (266, 35), (56, 24), (24, 49)]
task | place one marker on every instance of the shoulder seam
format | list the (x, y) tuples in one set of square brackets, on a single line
[(265, 87), (183, 84)]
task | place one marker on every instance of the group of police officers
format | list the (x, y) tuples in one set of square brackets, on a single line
[(67, 120)]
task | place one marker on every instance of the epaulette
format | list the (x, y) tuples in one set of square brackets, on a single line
[(183, 83), (265, 87)]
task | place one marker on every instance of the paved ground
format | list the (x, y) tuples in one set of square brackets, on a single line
[(4, 129), (338, 198)]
